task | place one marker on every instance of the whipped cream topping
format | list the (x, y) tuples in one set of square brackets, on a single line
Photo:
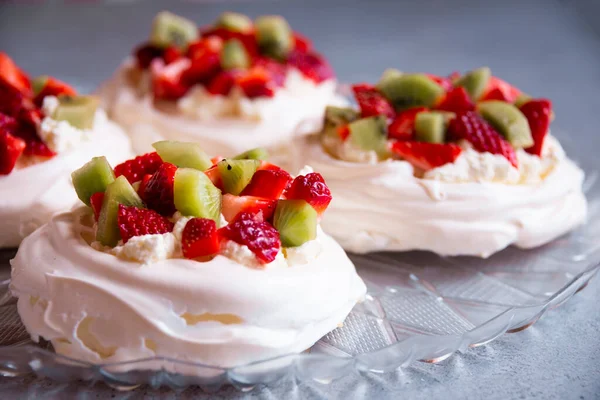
[(96, 307)]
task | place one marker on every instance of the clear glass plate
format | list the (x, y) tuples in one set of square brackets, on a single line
[(420, 307)]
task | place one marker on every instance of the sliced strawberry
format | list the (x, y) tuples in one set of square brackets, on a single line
[(267, 165), (302, 43), (158, 194), (277, 71), (11, 148), (215, 176), (135, 169), (53, 87), (8, 123), (11, 99), (343, 132), (269, 184), (96, 202), (171, 54), (403, 126), (497, 89), (425, 155), (222, 83), (248, 39), (233, 205), (443, 81), (257, 82), (205, 57), (456, 100), (311, 188), (143, 183), (200, 238), (27, 131), (167, 81), (135, 221), (538, 113), (216, 159), (312, 65), (371, 101), (145, 54), (484, 138), (13, 75), (259, 236)]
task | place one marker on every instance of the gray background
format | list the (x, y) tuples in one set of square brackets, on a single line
[(547, 48)]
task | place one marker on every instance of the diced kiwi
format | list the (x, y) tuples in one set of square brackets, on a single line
[(411, 90), (522, 98), (234, 55), (388, 74), (274, 36), (336, 116), (475, 82), (236, 174), (195, 195), (183, 154), (38, 83), (234, 22), (169, 29), (430, 127), (78, 111), (92, 178), (259, 153), (118, 192), (296, 221), (370, 134), (508, 120)]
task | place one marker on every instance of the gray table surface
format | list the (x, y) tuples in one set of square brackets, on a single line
[(548, 48)]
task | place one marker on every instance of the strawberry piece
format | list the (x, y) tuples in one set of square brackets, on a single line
[(216, 159), (222, 83), (302, 43), (171, 54), (371, 101), (248, 39), (343, 132), (257, 82), (27, 130), (403, 126), (277, 71), (8, 123), (11, 99), (11, 148), (484, 138), (425, 155), (205, 60), (145, 54), (53, 87), (311, 188), (135, 169), (267, 165), (497, 89), (260, 236), (233, 205), (215, 176), (269, 184), (96, 202), (167, 81), (13, 75), (443, 81), (158, 193), (143, 183), (200, 238), (312, 65), (135, 221), (538, 113), (456, 100)]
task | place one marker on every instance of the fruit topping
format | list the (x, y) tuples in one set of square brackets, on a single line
[(274, 36), (521, 99), (172, 30), (234, 205), (145, 54), (311, 188), (167, 80), (389, 75), (411, 90), (11, 74), (92, 178), (48, 86), (443, 81), (135, 169), (78, 111), (236, 174), (269, 184), (96, 203), (223, 82), (456, 100), (234, 22), (195, 195), (497, 89), (426, 155), (158, 193), (205, 60), (256, 83), (336, 116), (475, 82), (296, 222), (11, 148), (259, 236), (258, 153), (538, 113), (371, 101), (312, 65), (135, 221), (508, 120), (200, 238), (370, 134), (302, 43), (403, 126), (234, 55), (484, 138), (430, 126), (181, 154)]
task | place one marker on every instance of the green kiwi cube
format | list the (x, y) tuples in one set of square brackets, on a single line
[(475, 82), (296, 221), (92, 178), (259, 153), (169, 29), (38, 84), (236, 174), (522, 98), (183, 154), (274, 36), (430, 127), (508, 120), (370, 134), (411, 90), (78, 111), (234, 22), (195, 195), (234, 55), (388, 75)]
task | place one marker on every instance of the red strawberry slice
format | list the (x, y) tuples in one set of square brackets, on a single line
[(135, 221), (158, 193), (302, 43), (11, 99), (312, 65), (403, 126), (145, 54), (267, 165), (425, 155), (497, 89), (143, 183), (257, 82), (215, 176), (8, 123), (135, 169), (11, 148), (484, 138), (167, 81), (233, 205), (456, 100), (371, 101), (13, 75), (205, 57), (248, 39), (222, 83), (171, 54), (268, 184), (200, 238), (53, 87), (311, 188), (443, 81), (260, 236), (27, 130), (538, 113), (276, 70), (96, 202)]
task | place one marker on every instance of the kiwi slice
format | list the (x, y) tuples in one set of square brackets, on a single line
[(183, 154), (522, 98), (475, 82), (118, 192), (38, 84), (92, 178), (236, 174), (388, 75), (411, 90), (234, 22), (508, 120), (336, 116), (274, 36), (259, 153), (370, 134), (169, 29), (234, 55), (78, 111), (430, 127), (195, 195), (296, 221)]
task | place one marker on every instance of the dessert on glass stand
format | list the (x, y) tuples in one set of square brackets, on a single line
[(46, 131), (221, 262), (458, 165), (232, 85)]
